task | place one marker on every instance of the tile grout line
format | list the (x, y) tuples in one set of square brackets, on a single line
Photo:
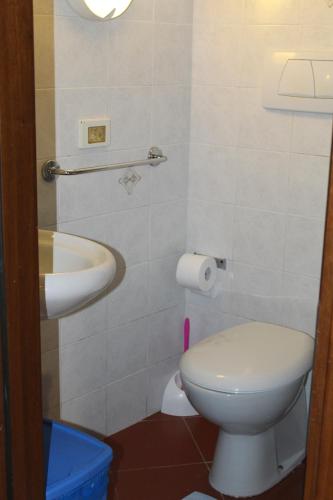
[(195, 442), (158, 467)]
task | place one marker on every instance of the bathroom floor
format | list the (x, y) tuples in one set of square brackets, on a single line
[(167, 458)]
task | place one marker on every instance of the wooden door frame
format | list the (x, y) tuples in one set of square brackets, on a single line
[(319, 471), (20, 325), (21, 458)]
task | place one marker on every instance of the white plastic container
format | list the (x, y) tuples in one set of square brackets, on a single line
[(175, 401)]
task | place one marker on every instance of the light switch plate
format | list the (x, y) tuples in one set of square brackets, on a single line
[(94, 133)]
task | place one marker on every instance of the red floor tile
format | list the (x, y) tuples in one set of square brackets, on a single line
[(169, 483), (158, 459), (205, 435), (154, 444)]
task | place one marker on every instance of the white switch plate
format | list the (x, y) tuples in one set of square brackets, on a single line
[(94, 133)]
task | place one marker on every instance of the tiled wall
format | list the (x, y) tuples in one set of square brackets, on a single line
[(257, 185), (258, 178), (117, 355)]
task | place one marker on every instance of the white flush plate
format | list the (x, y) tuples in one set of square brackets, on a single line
[(299, 81)]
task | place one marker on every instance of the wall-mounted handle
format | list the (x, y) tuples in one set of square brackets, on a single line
[(51, 168)]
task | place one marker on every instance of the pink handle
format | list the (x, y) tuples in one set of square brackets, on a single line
[(186, 334)]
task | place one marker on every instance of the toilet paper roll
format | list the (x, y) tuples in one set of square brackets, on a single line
[(197, 272)]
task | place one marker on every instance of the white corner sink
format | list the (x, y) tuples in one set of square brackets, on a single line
[(72, 272)]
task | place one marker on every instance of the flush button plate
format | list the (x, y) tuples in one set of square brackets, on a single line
[(94, 132)]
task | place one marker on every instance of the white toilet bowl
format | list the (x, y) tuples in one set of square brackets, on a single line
[(249, 380)]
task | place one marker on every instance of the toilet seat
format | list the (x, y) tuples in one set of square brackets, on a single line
[(249, 358)]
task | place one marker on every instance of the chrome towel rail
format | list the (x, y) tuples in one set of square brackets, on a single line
[(51, 168)]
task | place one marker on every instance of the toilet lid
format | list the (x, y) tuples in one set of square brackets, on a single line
[(252, 357)]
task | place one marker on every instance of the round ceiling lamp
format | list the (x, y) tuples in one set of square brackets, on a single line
[(100, 10)]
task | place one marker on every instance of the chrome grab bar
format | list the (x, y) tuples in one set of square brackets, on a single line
[(51, 168)]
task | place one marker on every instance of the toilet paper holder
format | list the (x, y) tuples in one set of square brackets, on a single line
[(220, 263)]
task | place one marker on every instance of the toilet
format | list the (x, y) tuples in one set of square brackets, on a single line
[(249, 380)]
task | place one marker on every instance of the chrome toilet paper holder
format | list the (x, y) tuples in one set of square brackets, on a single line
[(220, 263)]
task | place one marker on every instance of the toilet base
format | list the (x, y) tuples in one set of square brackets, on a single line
[(245, 466), (248, 465)]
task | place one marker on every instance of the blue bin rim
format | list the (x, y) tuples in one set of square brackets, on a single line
[(85, 473)]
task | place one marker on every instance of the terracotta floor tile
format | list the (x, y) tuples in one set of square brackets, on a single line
[(169, 483), (205, 434), (153, 444), (157, 460)]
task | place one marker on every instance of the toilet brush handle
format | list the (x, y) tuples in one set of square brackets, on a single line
[(186, 334)]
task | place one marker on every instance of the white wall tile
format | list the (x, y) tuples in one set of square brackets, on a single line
[(129, 301), (274, 12), (212, 173), (256, 42), (214, 115), (165, 334), (304, 242), (262, 179), (158, 377), (82, 367), (206, 322), (164, 292), (171, 110), (88, 411), (171, 65), (262, 128), (312, 134), (62, 8), (308, 179), (167, 229), (81, 52), (169, 181), (218, 12), (93, 228), (140, 10), (130, 112), (174, 11), (259, 238), (126, 402), (256, 293), (214, 50), (86, 323), (127, 348), (316, 12), (300, 299), (128, 233), (130, 53), (316, 37), (210, 228)]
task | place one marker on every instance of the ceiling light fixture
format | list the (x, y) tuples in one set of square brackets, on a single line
[(100, 10)]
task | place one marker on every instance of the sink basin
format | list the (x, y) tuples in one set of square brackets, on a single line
[(72, 272)]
